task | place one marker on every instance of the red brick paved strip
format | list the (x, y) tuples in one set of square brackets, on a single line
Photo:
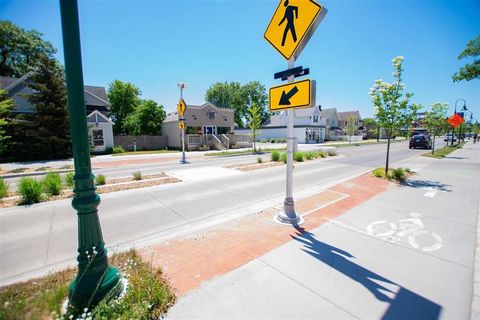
[(189, 262)]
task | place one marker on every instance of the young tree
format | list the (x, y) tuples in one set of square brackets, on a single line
[(124, 98), (434, 120), (21, 50), (254, 118), (471, 70), (52, 139), (392, 110), (255, 92), (6, 106), (145, 120), (350, 127)]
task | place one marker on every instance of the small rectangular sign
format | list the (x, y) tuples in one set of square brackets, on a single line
[(300, 94)]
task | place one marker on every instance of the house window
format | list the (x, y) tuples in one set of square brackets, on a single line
[(97, 137), (328, 120), (211, 115), (315, 118)]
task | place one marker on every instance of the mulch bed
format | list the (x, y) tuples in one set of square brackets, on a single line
[(254, 166)]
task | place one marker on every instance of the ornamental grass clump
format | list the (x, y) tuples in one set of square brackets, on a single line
[(3, 189), (30, 190), (52, 183), (275, 155), (68, 180), (309, 155), (259, 159), (100, 180), (399, 174), (137, 175), (283, 157), (298, 156)]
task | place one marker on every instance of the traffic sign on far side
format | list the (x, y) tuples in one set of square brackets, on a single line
[(300, 94), (181, 107), (292, 25)]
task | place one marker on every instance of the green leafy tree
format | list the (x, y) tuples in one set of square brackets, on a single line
[(21, 50), (228, 95), (392, 110), (471, 70), (52, 130), (371, 127), (233, 95), (350, 128), (254, 92), (6, 106), (146, 119), (124, 99), (254, 118), (435, 121)]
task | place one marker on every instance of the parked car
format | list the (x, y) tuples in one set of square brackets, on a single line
[(420, 141), (448, 138)]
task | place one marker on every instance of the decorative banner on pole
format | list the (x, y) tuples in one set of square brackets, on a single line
[(455, 120), (300, 94), (292, 26), (181, 107)]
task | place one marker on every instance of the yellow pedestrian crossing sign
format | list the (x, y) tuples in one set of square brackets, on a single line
[(292, 25), (181, 107), (300, 94), (181, 125)]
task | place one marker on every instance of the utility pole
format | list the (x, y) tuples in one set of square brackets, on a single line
[(95, 278)]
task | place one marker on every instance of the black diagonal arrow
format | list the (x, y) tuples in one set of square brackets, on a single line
[(285, 98)]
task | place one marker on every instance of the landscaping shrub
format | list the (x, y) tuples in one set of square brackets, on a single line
[(379, 172), (3, 188), (68, 179), (275, 155), (30, 190), (399, 174), (118, 149), (408, 170), (298, 156), (320, 154), (137, 175), (259, 159), (309, 155), (52, 183), (283, 157), (100, 180)]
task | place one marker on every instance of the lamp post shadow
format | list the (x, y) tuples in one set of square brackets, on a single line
[(405, 304)]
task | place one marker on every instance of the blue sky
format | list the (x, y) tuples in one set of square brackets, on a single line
[(156, 44)]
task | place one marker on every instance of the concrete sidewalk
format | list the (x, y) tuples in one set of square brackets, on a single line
[(368, 250)]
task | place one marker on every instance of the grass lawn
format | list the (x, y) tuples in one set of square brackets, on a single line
[(149, 294), (443, 152), (130, 153)]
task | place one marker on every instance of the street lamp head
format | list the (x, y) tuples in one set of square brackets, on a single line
[(464, 108), (182, 85)]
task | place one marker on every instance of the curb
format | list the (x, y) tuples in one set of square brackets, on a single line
[(475, 309), (30, 174)]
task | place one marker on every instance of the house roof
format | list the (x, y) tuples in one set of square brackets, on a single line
[(329, 112), (275, 121), (97, 117), (343, 116), (304, 112), (5, 82), (173, 116)]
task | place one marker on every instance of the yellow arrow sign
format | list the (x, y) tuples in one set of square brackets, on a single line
[(292, 25), (181, 107), (181, 125), (300, 94)]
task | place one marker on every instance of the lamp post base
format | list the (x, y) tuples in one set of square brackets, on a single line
[(288, 215)]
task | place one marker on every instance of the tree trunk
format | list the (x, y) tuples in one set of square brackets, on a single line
[(433, 144), (378, 134), (388, 156)]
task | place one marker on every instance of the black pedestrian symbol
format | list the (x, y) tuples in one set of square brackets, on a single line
[(291, 13)]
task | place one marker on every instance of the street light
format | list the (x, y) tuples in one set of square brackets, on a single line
[(455, 112), (95, 278)]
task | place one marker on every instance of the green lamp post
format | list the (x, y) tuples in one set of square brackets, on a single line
[(95, 278)]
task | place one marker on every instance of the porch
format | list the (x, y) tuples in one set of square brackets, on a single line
[(203, 142)]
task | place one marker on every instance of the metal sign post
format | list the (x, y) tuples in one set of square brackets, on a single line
[(181, 107)]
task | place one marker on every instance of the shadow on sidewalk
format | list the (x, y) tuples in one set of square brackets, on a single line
[(423, 184), (405, 304)]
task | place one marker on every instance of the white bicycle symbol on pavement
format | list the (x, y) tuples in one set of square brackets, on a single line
[(412, 227)]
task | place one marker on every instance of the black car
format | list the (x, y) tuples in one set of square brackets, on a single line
[(420, 141)]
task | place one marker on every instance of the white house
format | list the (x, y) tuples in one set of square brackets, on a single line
[(308, 126)]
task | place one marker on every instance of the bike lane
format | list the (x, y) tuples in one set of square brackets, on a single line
[(405, 253)]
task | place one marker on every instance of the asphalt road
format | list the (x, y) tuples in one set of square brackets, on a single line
[(37, 238)]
